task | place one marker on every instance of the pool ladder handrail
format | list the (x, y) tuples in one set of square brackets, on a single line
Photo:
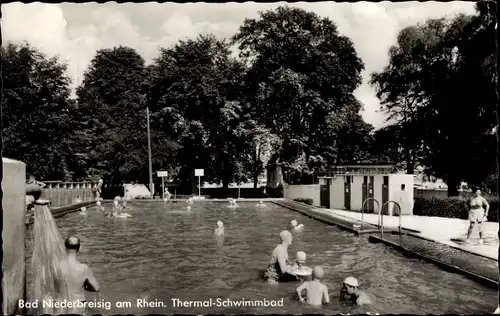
[(382, 219), (363, 209)]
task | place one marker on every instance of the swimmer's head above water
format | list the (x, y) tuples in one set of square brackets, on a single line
[(72, 244), (301, 257), (286, 237), (350, 285), (189, 208), (98, 203), (318, 273), (294, 223)]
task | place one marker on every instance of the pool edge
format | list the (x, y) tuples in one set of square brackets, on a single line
[(447, 267)]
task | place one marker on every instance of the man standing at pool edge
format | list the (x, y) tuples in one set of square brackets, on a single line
[(79, 276)]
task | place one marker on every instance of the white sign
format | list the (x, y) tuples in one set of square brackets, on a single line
[(162, 173), (199, 172)]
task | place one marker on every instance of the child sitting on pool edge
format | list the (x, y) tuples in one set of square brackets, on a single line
[(316, 292), (219, 231)]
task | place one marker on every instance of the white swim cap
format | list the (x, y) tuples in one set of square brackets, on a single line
[(301, 256), (286, 236), (318, 272), (115, 202), (98, 203), (351, 281), (189, 208), (220, 223), (117, 198), (294, 223)]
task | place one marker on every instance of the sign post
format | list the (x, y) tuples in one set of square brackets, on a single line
[(199, 173), (163, 174)]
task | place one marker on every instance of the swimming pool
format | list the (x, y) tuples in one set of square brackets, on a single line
[(162, 254)]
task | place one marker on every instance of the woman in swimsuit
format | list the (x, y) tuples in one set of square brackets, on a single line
[(477, 215), (278, 267)]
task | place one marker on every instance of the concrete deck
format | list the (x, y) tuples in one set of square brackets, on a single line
[(448, 231)]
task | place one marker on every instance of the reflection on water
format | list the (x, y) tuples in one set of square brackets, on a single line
[(164, 252)]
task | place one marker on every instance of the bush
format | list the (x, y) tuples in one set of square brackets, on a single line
[(305, 201), (451, 207)]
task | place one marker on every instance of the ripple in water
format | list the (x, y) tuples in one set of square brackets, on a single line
[(160, 254)]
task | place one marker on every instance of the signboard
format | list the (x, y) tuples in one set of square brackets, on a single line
[(199, 172), (162, 173)]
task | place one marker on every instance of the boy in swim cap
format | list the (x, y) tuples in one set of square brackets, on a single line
[(350, 292), (295, 225), (78, 276), (116, 208), (316, 292), (219, 231), (300, 260)]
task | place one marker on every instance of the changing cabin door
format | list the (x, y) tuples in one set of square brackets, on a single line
[(325, 194), (385, 195), (347, 192)]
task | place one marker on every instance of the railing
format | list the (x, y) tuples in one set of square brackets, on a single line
[(363, 209), (382, 219), (63, 193)]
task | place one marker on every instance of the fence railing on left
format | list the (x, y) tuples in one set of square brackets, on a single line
[(64, 193)]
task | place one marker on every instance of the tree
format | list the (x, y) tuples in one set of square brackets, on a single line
[(36, 112), (301, 72), (112, 125), (439, 89), (260, 146), (195, 91)]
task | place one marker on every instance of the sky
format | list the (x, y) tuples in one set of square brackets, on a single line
[(75, 32)]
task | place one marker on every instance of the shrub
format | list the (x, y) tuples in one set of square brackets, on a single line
[(451, 207), (304, 200)]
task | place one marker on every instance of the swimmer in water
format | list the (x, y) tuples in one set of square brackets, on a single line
[(83, 211), (316, 292), (99, 207), (478, 214), (296, 226), (188, 208), (261, 204), (278, 267), (190, 201), (350, 292), (232, 203), (219, 231), (300, 260), (116, 209), (78, 276)]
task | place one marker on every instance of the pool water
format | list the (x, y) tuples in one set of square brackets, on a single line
[(163, 253)]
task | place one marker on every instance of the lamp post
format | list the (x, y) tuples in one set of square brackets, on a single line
[(151, 185)]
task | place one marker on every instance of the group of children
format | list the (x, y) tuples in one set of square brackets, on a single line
[(316, 292), (116, 211)]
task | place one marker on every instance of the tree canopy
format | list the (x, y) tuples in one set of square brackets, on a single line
[(301, 75), (286, 98), (439, 88)]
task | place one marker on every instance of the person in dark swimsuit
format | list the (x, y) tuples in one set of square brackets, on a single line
[(279, 270)]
